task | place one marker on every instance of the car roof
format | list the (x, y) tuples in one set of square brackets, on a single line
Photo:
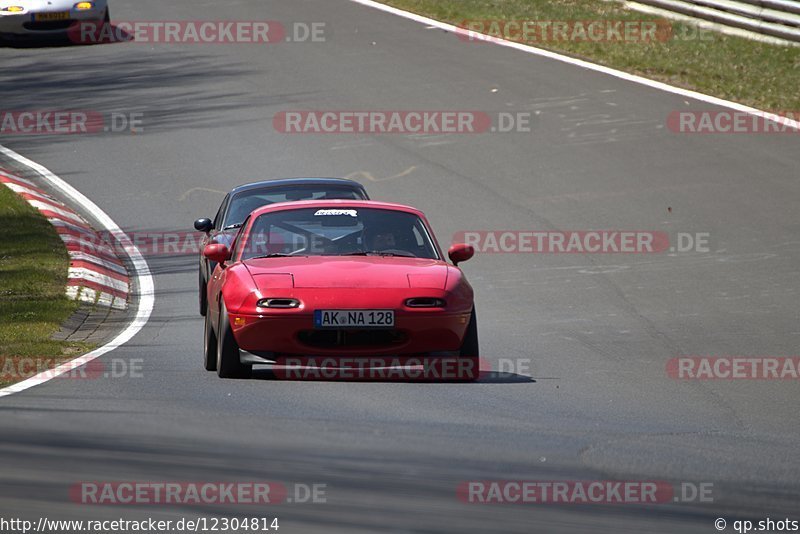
[(337, 203), (302, 182)]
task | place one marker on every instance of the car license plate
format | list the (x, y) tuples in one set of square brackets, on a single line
[(353, 318), (49, 17)]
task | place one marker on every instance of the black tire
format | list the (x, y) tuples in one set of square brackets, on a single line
[(470, 345), (203, 288), (470, 349), (209, 346), (228, 363)]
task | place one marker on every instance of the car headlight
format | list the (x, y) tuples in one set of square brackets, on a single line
[(14, 9), (83, 6)]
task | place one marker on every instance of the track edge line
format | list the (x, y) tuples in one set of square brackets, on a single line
[(141, 274), (635, 78)]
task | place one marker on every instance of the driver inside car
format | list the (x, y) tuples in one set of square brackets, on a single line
[(383, 241), (388, 238)]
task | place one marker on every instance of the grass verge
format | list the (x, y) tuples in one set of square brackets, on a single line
[(33, 275), (756, 74)]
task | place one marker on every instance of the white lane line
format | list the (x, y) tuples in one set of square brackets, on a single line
[(584, 64), (141, 273)]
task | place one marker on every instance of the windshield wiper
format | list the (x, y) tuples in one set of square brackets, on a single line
[(232, 226), (278, 255), (379, 253), (274, 255)]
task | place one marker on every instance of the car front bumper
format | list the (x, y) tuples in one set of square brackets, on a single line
[(293, 334), (23, 24)]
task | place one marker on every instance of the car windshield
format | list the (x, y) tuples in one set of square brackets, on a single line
[(339, 231), (247, 201)]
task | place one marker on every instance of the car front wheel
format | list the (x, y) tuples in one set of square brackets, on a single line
[(470, 350), (228, 363), (209, 346), (203, 296)]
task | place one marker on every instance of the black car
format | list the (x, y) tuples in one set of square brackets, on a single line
[(243, 199)]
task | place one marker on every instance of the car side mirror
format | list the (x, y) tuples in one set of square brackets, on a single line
[(203, 225), (217, 253), (460, 252)]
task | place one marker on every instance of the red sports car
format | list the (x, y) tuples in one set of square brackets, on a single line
[(334, 279)]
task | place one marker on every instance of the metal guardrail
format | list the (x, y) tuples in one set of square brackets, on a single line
[(788, 6), (778, 18)]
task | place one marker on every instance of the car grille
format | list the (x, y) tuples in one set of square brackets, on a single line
[(46, 26), (351, 338)]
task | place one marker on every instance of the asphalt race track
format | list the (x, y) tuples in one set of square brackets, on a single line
[(596, 329)]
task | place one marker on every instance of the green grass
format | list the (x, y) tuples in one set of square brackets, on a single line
[(757, 74), (33, 276)]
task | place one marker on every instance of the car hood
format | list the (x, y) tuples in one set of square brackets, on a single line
[(348, 272)]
